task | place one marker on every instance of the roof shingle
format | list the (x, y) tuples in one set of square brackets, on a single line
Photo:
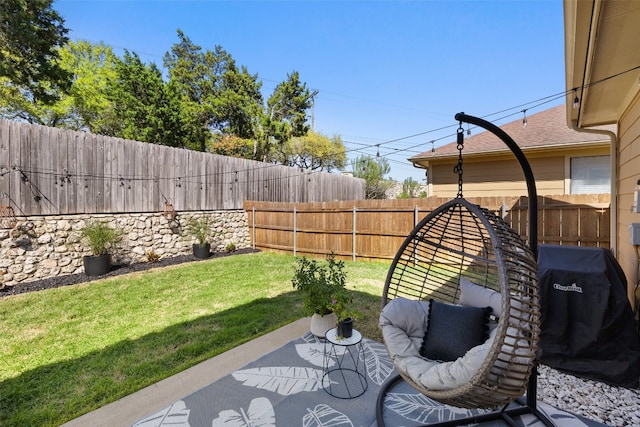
[(544, 129)]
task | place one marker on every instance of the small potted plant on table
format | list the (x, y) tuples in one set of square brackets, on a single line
[(199, 228), (100, 237), (319, 285), (340, 304)]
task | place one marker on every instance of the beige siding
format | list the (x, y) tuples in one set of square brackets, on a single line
[(485, 177), (500, 178), (629, 174)]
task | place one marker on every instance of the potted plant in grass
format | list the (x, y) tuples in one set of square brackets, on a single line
[(100, 238), (319, 283), (199, 228)]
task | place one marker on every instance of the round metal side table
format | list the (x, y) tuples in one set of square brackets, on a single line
[(344, 365)]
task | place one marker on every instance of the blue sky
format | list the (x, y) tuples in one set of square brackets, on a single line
[(390, 74)]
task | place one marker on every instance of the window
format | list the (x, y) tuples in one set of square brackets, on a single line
[(590, 175)]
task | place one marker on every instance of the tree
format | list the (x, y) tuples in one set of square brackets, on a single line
[(286, 115), (215, 95), (313, 151), (82, 107), (410, 189), (87, 106), (373, 172), (30, 34), (238, 103), (145, 109), (193, 75), (232, 146)]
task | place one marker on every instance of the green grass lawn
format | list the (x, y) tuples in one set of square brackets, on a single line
[(67, 351)]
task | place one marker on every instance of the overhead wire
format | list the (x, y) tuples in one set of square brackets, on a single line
[(361, 149), (518, 109)]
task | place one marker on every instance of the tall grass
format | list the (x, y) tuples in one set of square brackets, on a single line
[(70, 350)]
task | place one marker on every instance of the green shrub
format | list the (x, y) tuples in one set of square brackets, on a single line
[(100, 237), (199, 228), (322, 285)]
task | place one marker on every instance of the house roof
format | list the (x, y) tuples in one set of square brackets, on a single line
[(546, 129)]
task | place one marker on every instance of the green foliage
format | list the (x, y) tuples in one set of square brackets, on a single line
[(410, 189), (30, 34), (208, 101), (193, 73), (238, 103), (342, 305), (100, 236), (313, 151), (87, 106), (288, 105), (144, 108), (320, 284), (214, 93), (373, 172), (199, 228), (232, 146), (286, 115), (231, 247)]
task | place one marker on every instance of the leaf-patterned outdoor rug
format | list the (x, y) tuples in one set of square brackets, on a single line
[(284, 388)]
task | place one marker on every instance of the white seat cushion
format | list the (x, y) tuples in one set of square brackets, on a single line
[(403, 323)]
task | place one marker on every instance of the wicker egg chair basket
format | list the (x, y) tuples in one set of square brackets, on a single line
[(462, 239)]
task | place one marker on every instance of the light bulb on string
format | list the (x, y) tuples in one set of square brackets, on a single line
[(378, 150), (468, 130), (524, 118), (576, 103), (433, 148)]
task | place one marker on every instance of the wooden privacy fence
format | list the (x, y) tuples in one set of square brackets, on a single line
[(50, 171), (375, 229)]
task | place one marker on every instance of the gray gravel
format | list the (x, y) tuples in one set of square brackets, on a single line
[(613, 406)]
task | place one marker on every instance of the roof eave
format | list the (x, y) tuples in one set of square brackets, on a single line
[(601, 78), (536, 149)]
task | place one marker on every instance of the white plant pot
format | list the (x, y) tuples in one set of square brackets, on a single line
[(321, 324)]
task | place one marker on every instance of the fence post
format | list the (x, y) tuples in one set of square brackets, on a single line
[(353, 238), (416, 256), (253, 225), (294, 232)]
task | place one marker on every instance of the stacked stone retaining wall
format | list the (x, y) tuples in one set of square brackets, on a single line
[(44, 246)]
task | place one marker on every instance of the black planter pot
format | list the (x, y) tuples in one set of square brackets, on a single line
[(345, 328), (97, 265), (201, 251)]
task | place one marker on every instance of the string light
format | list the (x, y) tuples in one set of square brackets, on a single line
[(433, 148), (5, 169), (468, 130)]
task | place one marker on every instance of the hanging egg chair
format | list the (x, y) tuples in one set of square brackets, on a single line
[(461, 312), (466, 256)]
